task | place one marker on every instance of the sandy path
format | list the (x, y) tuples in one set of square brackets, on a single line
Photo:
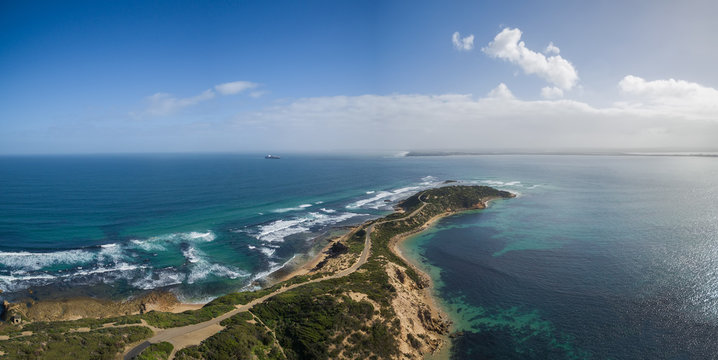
[(281, 349), (181, 337)]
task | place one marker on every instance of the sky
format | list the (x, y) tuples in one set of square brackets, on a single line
[(356, 76)]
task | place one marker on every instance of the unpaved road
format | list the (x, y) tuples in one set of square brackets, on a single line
[(181, 337)]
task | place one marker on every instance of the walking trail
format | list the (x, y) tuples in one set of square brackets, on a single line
[(181, 337)]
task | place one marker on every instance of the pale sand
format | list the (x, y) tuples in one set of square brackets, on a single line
[(442, 352), (194, 338), (179, 307), (427, 295), (310, 264)]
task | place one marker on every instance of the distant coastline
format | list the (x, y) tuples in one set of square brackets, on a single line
[(587, 153)]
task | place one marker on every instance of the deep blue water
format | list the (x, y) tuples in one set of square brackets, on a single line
[(606, 258), (599, 257)]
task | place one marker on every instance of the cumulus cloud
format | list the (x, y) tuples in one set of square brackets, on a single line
[(463, 121), (235, 87), (507, 45), (462, 44), (498, 120), (669, 96), (161, 104), (552, 49), (551, 92), (501, 92)]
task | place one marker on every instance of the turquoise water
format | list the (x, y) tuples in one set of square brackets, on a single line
[(199, 225), (598, 257)]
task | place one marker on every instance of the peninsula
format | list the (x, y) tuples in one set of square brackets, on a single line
[(360, 300)]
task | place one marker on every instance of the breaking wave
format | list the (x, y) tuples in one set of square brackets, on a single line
[(383, 200), (110, 262), (298, 208), (277, 231)]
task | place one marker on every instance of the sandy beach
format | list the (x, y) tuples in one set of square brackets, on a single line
[(437, 310), (310, 261)]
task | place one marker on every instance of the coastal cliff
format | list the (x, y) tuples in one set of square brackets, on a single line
[(361, 299)]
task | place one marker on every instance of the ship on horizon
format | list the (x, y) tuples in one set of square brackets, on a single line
[(270, 156)]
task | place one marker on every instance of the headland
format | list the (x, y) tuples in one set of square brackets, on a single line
[(359, 298)]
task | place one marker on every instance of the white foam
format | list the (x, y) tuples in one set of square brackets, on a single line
[(378, 201), (36, 261), (191, 254), (19, 280), (328, 211), (502, 183), (14, 282), (147, 245), (122, 267), (157, 243), (204, 269), (200, 268), (111, 253), (372, 200), (13, 278), (277, 231), (300, 207), (205, 236), (159, 278), (262, 274), (383, 199), (267, 251)]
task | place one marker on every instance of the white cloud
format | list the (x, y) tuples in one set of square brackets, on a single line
[(670, 95), (501, 92), (552, 49), (551, 92), (462, 44), (554, 69), (257, 94), (456, 121), (235, 87), (161, 104), (497, 120)]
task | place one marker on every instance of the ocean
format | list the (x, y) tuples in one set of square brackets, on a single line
[(599, 257)]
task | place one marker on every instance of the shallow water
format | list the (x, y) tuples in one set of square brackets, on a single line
[(602, 258), (599, 257), (200, 225)]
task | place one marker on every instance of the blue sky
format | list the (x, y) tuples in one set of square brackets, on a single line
[(139, 76)]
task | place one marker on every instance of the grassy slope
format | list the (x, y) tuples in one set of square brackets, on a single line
[(313, 321)]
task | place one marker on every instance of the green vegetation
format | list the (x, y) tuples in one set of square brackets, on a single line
[(240, 340), (95, 344), (64, 326), (169, 320), (316, 320), (160, 351), (308, 320), (356, 242)]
